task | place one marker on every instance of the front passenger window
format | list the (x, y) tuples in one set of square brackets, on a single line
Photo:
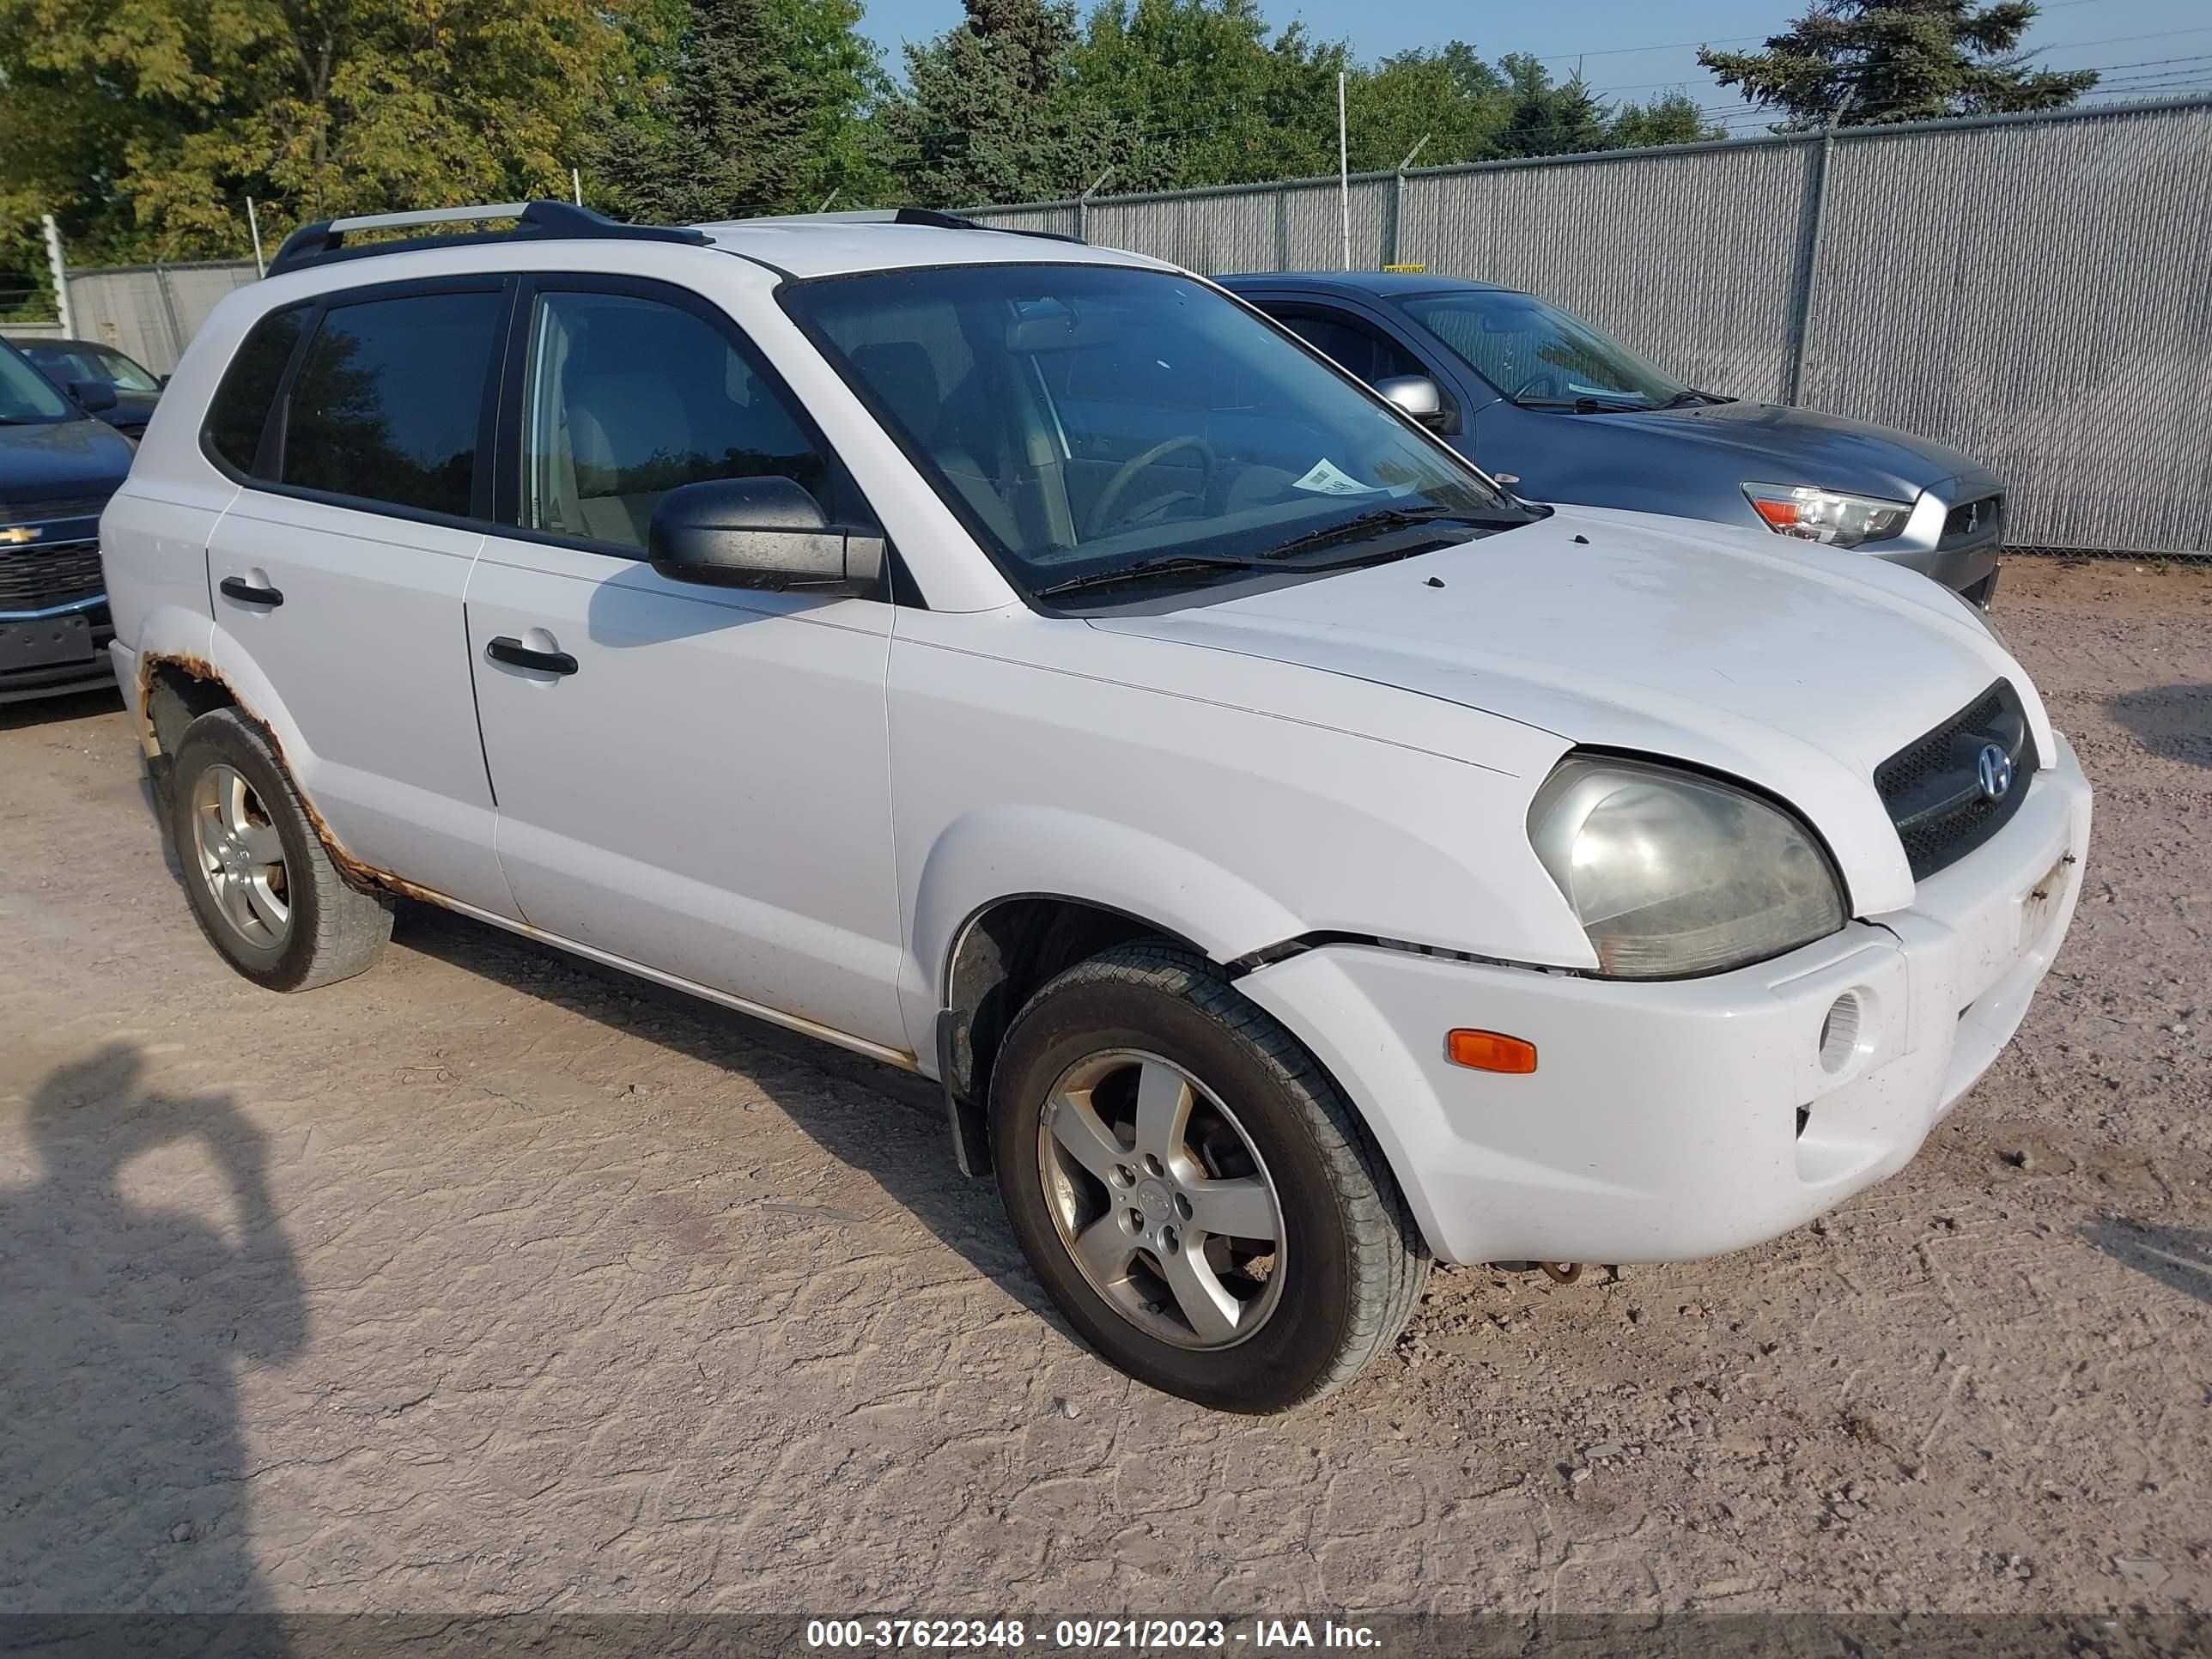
[(629, 399), (1359, 346)]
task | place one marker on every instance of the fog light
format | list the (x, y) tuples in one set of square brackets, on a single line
[(1490, 1051), (1840, 1033)]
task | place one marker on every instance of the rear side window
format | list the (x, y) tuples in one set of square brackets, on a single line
[(388, 400), (241, 408)]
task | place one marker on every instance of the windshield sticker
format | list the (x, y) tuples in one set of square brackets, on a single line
[(1327, 478)]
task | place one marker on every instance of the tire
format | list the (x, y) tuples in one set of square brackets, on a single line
[(250, 857), (1152, 1023)]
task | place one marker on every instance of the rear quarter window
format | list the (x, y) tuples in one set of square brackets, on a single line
[(241, 408)]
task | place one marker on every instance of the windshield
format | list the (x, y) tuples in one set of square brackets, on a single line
[(67, 364), (24, 394), (1538, 355), (1085, 419)]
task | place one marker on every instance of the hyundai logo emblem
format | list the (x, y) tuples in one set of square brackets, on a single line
[(1994, 767)]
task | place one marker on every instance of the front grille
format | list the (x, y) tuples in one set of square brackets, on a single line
[(73, 506), (1934, 789), (38, 578), (1981, 521)]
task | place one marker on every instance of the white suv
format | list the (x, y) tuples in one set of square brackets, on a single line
[(1023, 663)]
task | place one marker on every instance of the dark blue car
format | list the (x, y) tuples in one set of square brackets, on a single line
[(58, 465), (1567, 414)]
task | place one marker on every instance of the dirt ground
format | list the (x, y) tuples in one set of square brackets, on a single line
[(492, 1281)]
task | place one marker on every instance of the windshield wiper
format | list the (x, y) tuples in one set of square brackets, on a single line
[(1587, 405), (1145, 570), (1366, 525), (1683, 398)]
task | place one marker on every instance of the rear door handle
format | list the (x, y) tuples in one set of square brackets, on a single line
[(237, 587), (512, 651)]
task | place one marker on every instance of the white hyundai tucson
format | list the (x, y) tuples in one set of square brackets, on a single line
[(1022, 662)]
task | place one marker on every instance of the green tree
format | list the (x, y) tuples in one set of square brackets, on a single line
[(756, 106), (1450, 97), (1548, 119), (1897, 60), (142, 124), (992, 111), (1211, 98), (1674, 119)]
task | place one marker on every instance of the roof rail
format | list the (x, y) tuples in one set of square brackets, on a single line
[(327, 240), (905, 215), (913, 215)]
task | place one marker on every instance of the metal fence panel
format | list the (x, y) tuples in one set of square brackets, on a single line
[(1691, 259), (151, 312), (2040, 296)]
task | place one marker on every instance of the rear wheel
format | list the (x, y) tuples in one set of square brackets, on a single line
[(1195, 1192), (260, 882)]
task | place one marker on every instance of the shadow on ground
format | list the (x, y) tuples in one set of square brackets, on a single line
[(2173, 722), (52, 711), (887, 1124), (124, 1461), (2179, 1258)]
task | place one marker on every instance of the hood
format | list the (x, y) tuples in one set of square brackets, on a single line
[(58, 460), (1766, 443), (1799, 670)]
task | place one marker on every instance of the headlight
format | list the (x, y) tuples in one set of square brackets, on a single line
[(1672, 874), (1823, 515)]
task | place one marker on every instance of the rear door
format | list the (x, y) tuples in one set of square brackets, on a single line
[(338, 572), (692, 779)]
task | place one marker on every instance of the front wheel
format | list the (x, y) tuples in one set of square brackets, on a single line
[(1196, 1194)]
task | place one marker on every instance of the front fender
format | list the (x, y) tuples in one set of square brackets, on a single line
[(1020, 850)]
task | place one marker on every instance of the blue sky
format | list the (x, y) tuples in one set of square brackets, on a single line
[(1634, 49)]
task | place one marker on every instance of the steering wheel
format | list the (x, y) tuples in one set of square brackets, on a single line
[(1543, 378), (1101, 514)]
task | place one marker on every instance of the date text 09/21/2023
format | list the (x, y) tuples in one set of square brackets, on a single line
[(1103, 1635)]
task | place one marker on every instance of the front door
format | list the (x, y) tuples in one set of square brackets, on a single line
[(690, 778)]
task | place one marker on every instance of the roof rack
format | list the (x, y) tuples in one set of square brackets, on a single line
[(327, 240), (905, 215), (913, 215)]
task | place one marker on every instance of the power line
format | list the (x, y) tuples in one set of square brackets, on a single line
[(1739, 40)]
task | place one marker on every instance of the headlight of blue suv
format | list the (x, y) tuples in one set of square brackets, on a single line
[(1826, 515), (1673, 874)]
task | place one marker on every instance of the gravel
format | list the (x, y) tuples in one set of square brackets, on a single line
[(490, 1281)]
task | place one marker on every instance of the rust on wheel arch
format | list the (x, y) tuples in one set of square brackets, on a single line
[(363, 877)]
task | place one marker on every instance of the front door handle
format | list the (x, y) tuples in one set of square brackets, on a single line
[(513, 652), (237, 587)]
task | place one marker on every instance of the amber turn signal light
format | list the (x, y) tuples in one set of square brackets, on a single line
[(1490, 1051)]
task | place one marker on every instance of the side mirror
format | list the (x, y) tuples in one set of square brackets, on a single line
[(760, 532), (1419, 397), (92, 396), (161, 383)]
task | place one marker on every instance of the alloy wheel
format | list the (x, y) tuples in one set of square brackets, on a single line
[(1161, 1198), (240, 858)]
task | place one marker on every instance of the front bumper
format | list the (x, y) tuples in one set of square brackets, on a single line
[(1671, 1120), (91, 672), (1963, 557)]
